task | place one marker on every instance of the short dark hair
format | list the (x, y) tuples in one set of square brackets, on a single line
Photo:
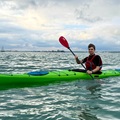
[(91, 45)]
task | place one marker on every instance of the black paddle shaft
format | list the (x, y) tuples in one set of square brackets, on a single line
[(74, 55), (80, 63)]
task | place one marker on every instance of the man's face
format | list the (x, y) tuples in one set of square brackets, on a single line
[(91, 50)]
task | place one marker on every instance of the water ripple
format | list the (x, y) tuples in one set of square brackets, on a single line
[(78, 100)]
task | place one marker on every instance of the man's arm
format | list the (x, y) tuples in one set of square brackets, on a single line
[(77, 60)]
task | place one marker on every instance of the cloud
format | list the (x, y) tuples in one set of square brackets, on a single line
[(35, 24), (96, 11)]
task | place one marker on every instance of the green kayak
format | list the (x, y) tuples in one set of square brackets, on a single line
[(45, 77)]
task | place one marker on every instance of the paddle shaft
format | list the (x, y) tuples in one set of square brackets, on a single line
[(74, 55), (80, 63)]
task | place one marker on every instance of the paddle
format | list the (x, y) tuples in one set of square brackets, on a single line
[(64, 42)]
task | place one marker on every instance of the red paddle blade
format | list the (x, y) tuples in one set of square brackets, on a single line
[(64, 42)]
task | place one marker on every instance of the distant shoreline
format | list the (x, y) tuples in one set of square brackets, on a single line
[(58, 51)]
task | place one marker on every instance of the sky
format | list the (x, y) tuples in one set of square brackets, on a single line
[(36, 25)]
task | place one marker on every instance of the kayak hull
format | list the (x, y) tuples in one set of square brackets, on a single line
[(51, 77)]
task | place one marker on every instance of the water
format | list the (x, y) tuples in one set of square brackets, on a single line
[(77, 100)]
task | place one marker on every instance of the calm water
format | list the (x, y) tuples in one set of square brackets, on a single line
[(77, 100)]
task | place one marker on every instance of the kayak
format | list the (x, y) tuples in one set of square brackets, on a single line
[(47, 77)]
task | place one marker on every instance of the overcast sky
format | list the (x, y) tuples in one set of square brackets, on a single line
[(38, 24)]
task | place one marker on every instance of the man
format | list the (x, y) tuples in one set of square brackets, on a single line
[(93, 62)]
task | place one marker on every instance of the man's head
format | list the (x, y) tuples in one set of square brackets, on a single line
[(91, 48), (91, 45)]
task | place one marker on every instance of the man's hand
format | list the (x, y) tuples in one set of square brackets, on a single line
[(89, 72), (76, 57)]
